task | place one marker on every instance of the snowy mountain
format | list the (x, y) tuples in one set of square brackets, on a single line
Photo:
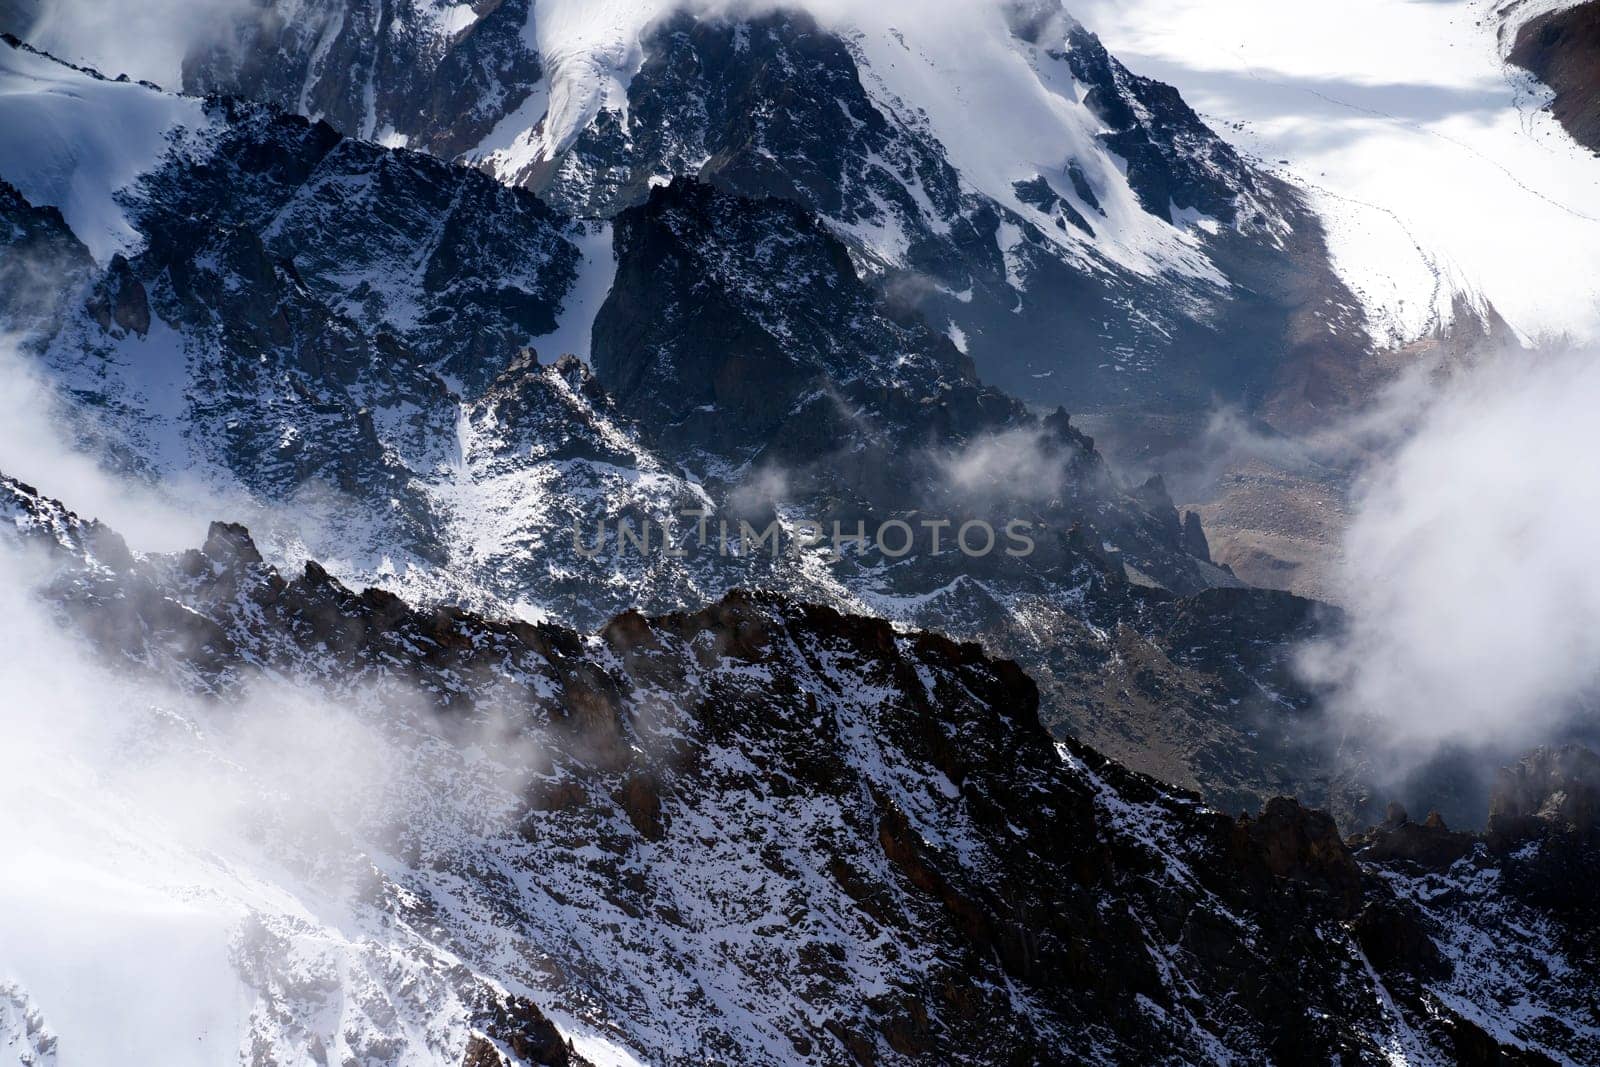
[(1075, 228), (319, 335), (758, 833), (1078, 228), (1429, 154), (601, 402)]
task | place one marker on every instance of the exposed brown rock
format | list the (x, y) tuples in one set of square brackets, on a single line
[(1551, 791), (1431, 844), (518, 1024), (121, 301), (640, 797), (1562, 49), (1290, 843)]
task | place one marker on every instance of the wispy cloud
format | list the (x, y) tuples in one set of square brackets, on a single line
[(1470, 574), (35, 447), (1017, 464), (170, 859), (145, 39)]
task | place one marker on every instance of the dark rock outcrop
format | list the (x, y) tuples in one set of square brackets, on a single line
[(834, 794), (376, 69), (1551, 793), (1561, 48), (1430, 845)]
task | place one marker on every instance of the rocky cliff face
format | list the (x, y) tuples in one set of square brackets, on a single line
[(740, 328), (647, 813), (931, 875), (338, 333), (1559, 47), (1036, 276), (432, 75), (296, 315), (1127, 270)]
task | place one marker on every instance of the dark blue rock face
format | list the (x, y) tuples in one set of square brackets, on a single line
[(773, 105), (377, 67)]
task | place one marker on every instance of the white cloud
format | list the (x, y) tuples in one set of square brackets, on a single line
[(1016, 464), (1470, 573), (128, 859), (35, 449), (145, 39), (164, 859)]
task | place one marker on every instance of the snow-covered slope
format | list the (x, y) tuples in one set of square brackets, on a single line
[(1080, 233), (1085, 238), (1002, 112), (1431, 158), (75, 142), (299, 311), (1399, 120)]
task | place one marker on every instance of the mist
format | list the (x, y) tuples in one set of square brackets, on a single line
[(135, 841), (35, 449), (144, 39), (48, 442), (1470, 575), (170, 861), (149, 39), (1020, 464)]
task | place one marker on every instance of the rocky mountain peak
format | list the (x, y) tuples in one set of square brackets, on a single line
[(1550, 792), (892, 794), (772, 672)]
